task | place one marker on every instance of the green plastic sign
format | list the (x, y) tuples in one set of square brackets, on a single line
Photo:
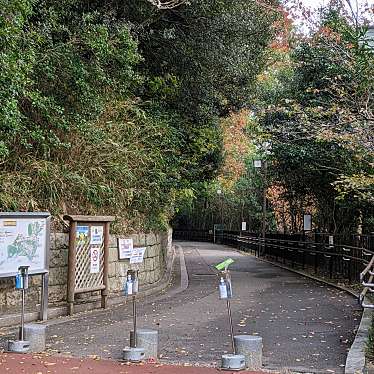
[(225, 264)]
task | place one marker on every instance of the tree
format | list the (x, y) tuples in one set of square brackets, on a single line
[(113, 106), (322, 126)]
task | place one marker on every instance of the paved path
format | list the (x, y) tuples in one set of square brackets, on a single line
[(306, 326), (41, 364)]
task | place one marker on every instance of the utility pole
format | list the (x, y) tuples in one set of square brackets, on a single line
[(265, 168)]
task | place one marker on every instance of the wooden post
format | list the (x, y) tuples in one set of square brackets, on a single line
[(71, 267), (105, 291)]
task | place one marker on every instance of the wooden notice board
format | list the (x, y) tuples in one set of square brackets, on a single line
[(88, 258)]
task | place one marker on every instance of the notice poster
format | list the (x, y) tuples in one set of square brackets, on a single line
[(137, 255), (95, 260), (97, 235), (125, 248), (244, 226), (82, 235)]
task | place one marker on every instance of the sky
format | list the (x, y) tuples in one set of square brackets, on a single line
[(317, 3), (304, 24)]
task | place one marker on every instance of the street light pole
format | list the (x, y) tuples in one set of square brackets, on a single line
[(265, 167), (219, 193), (265, 147)]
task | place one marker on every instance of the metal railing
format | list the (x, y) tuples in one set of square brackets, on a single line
[(368, 285), (339, 261)]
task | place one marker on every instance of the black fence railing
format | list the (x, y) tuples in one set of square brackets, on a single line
[(336, 260)]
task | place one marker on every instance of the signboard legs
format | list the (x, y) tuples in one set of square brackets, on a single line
[(44, 302), (104, 292)]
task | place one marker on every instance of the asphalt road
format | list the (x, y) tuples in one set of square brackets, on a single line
[(306, 326)]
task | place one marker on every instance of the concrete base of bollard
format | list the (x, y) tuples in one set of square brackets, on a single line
[(18, 346), (250, 346), (35, 334), (133, 354), (233, 362), (148, 340)]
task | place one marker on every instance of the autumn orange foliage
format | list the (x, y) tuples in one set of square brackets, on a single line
[(236, 146)]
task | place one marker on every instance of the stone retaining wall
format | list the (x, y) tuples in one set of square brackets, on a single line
[(158, 248)]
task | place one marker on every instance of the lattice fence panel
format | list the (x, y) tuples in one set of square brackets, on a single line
[(84, 279)]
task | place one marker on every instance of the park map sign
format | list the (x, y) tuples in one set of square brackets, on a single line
[(23, 242)]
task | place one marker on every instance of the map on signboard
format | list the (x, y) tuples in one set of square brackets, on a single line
[(22, 242)]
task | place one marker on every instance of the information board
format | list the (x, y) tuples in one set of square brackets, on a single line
[(24, 241)]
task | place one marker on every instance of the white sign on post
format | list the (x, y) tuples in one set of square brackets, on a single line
[(331, 239), (95, 260), (97, 235), (244, 226), (137, 255), (307, 222), (125, 247)]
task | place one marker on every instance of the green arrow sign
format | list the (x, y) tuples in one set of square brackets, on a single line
[(225, 264)]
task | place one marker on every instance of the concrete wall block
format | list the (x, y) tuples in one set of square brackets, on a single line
[(115, 284), (141, 240), (113, 254), (157, 275), (151, 239), (58, 276), (158, 237), (7, 283), (158, 248), (152, 277), (135, 239), (121, 269), (112, 270), (57, 293), (151, 251), (13, 298), (35, 281), (2, 301), (59, 240), (112, 241), (58, 257), (142, 277), (147, 264)]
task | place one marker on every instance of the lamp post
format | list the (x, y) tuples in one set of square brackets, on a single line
[(220, 194), (262, 164)]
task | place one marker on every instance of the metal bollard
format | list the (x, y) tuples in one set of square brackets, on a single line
[(250, 346), (148, 339), (131, 354), (232, 362), (35, 335)]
